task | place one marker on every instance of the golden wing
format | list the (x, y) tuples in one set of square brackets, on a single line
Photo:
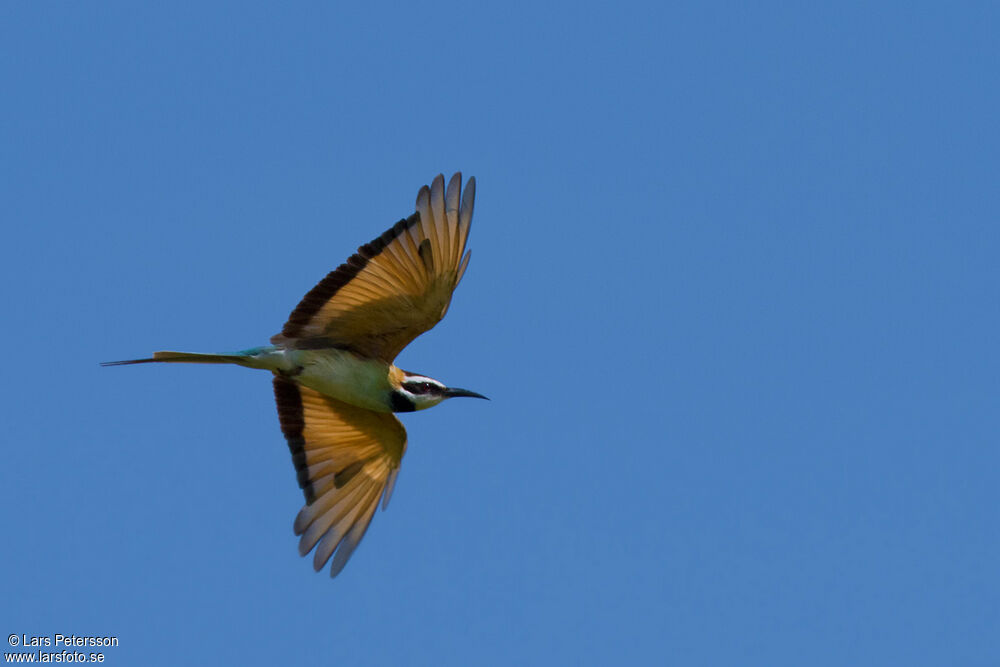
[(394, 288), (346, 459)]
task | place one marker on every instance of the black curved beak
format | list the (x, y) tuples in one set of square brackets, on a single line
[(454, 392)]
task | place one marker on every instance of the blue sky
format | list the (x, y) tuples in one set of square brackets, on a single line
[(733, 293)]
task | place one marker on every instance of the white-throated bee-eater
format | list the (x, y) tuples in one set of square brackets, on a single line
[(334, 379)]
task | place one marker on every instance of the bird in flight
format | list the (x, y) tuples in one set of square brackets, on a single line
[(335, 382)]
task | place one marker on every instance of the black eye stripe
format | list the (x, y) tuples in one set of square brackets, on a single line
[(420, 387)]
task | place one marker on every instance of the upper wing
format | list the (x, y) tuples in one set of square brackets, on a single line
[(396, 287), (346, 459)]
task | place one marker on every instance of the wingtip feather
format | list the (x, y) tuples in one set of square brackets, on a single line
[(468, 203)]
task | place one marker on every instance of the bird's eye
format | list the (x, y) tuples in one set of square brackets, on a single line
[(419, 387)]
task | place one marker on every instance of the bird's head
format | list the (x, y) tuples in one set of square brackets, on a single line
[(418, 392)]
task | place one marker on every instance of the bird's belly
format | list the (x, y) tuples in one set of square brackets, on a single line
[(346, 377)]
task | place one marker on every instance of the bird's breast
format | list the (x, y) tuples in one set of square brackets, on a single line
[(345, 376)]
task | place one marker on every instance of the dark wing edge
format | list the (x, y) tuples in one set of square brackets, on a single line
[(325, 289)]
